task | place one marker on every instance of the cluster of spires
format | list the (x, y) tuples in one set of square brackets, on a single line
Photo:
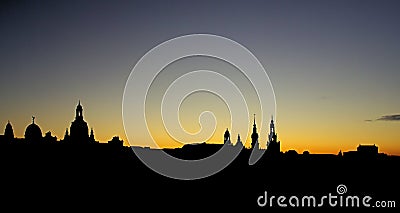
[(272, 143)]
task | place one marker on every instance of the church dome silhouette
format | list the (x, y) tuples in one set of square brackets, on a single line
[(79, 131), (33, 133)]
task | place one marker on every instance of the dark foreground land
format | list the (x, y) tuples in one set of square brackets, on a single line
[(100, 177)]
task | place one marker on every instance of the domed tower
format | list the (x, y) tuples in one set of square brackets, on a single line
[(9, 132), (79, 131), (33, 133)]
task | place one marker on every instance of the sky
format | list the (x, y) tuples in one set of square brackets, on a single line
[(334, 65)]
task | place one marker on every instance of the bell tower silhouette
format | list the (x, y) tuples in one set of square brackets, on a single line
[(254, 135), (273, 145)]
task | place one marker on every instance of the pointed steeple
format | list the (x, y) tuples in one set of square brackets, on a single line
[(254, 124), (254, 135), (91, 137)]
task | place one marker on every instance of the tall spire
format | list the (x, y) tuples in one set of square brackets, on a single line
[(33, 119), (254, 125), (91, 137), (254, 135)]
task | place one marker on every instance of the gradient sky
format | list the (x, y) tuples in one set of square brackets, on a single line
[(334, 65)]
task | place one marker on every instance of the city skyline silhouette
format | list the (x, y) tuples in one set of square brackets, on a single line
[(79, 134), (250, 100), (80, 165)]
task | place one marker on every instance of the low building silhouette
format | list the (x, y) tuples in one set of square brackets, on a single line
[(367, 149), (48, 138), (115, 141), (363, 152)]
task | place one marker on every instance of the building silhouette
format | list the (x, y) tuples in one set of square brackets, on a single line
[(48, 138), (227, 137), (367, 149), (78, 134), (8, 136), (239, 142), (115, 141), (363, 151), (33, 133), (66, 135), (273, 145), (254, 135), (91, 137), (79, 131), (9, 132)]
